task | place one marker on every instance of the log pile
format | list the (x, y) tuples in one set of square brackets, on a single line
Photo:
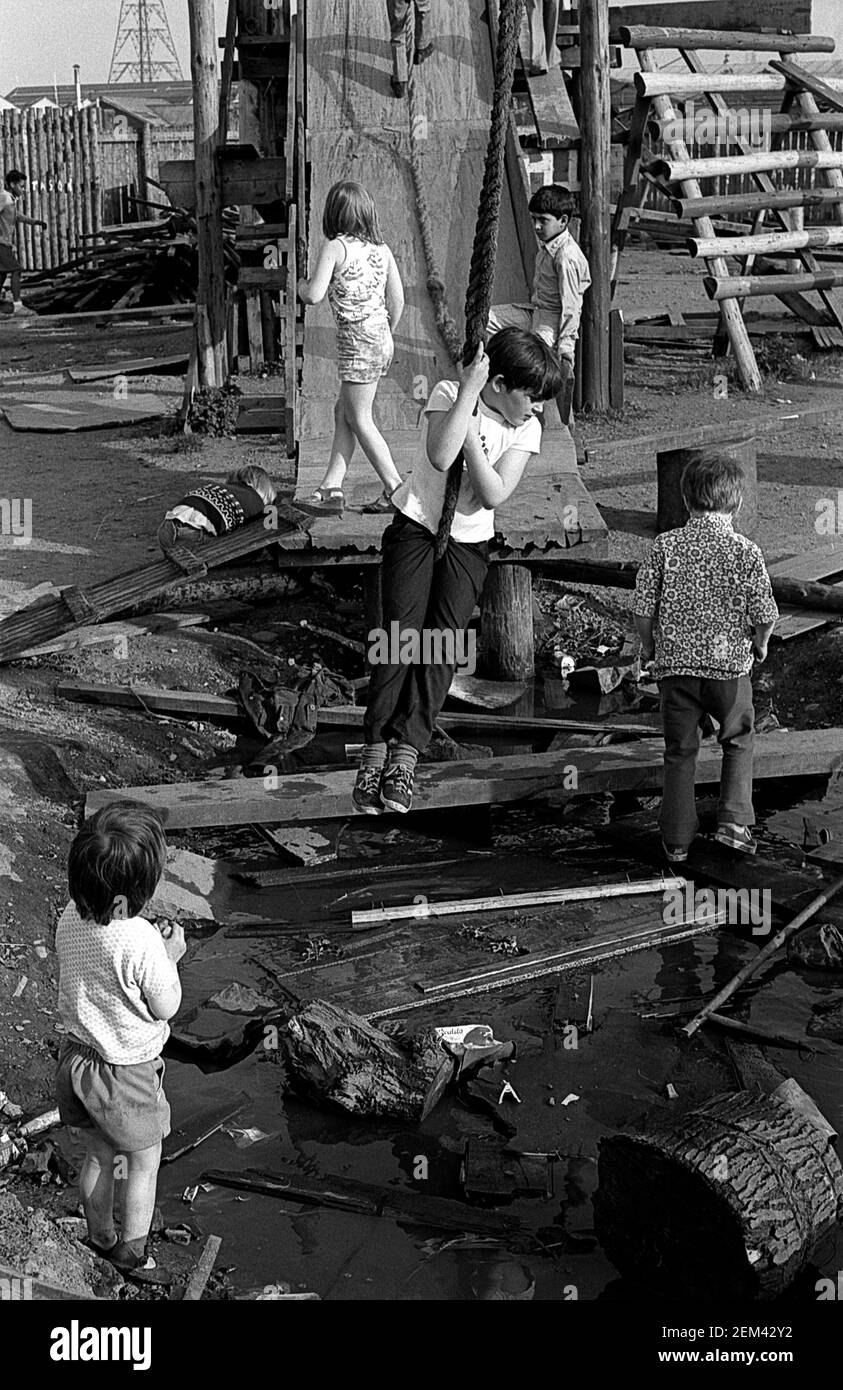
[(126, 267)]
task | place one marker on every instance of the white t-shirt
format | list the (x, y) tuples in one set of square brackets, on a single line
[(422, 495), (105, 974), (8, 213)]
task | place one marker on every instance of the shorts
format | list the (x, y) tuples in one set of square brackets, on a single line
[(9, 262), (364, 351), (172, 533), (126, 1105)]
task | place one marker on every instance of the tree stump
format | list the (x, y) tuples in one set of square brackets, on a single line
[(335, 1057), (671, 464), (728, 1201), (506, 623)]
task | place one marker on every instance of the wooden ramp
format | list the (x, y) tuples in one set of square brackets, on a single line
[(356, 129)]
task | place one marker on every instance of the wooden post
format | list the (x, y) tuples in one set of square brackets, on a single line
[(210, 292), (96, 171), (596, 122), (507, 623)]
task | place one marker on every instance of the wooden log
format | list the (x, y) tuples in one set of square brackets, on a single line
[(595, 116), (670, 466), (189, 704), (736, 165), (807, 88), (731, 1200), (685, 208), (769, 243), (507, 623), (723, 288), (304, 798), (505, 902), (665, 84), (773, 945), (95, 151), (352, 716), (808, 81), (650, 36), (731, 317), (210, 290), (777, 123)]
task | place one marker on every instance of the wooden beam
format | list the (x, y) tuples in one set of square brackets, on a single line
[(210, 292), (722, 288), (507, 902), (736, 165), (646, 36), (667, 84), (202, 1273), (710, 14), (304, 798), (189, 704), (595, 154), (245, 183), (808, 81), (699, 436), (765, 243), (755, 202)]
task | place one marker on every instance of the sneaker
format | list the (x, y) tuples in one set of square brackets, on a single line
[(399, 89), (366, 794), (738, 837), (397, 788), (20, 311), (139, 1269), (423, 53), (675, 854)]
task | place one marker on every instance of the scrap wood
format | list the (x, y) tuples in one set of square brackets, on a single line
[(202, 1273), (759, 1033), (148, 366), (51, 617), (200, 1125), (189, 704), (352, 716), (347, 1194), (302, 798), (117, 632), (772, 946), (504, 902)]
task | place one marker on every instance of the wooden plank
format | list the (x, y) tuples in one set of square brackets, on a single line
[(691, 438), (289, 316), (190, 704), (508, 902), (119, 317), (243, 182), (38, 417), (553, 114), (818, 563), (199, 1124), (808, 81), (352, 716), (133, 366), (202, 1273), (303, 798), (710, 14), (260, 277)]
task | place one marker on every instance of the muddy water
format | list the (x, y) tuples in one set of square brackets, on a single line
[(618, 1074)]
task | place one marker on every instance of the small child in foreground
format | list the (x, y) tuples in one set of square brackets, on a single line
[(215, 508), (118, 987), (704, 608)]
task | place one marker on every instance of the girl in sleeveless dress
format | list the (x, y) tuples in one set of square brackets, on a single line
[(357, 271)]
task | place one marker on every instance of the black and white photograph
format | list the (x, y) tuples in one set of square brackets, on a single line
[(421, 676)]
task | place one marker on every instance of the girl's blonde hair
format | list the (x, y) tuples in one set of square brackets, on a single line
[(256, 478), (350, 211)]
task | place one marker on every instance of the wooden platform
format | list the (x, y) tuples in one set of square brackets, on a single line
[(305, 797), (356, 129)]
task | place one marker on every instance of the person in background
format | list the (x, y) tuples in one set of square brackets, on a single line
[(423, 47), (543, 21), (11, 217), (704, 609), (212, 509), (560, 281)]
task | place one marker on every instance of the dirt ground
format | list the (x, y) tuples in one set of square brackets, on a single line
[(97, 498)]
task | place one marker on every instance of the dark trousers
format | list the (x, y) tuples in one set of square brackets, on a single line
[(397, 11), (685, 701), (420, 595)]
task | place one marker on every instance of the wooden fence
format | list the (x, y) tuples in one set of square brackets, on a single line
[(82, 169)]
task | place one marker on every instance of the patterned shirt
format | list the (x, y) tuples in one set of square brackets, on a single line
[(105, 975), (357, 292), (707, 588), (225, 506), (560, 280)]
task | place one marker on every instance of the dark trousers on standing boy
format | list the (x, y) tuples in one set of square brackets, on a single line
[(421, 595), (685, 701)]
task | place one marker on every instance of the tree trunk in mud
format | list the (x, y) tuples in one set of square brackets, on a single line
[(730, 1200), (334, 1056)]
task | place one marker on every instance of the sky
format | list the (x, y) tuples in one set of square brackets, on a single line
[(43, 38)]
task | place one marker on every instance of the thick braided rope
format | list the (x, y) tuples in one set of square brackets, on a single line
[(478, 300)]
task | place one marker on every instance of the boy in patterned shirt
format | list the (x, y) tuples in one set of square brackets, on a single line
[(704, 609), (118, 986), (213, 509)]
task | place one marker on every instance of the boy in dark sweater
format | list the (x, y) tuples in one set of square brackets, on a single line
[(216, 508)]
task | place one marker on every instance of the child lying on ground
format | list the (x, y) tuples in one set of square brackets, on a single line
[(215, 508)]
